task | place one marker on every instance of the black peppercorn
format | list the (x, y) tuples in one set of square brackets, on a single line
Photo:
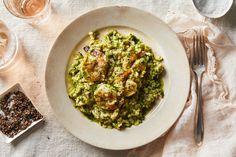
[(16, 113)]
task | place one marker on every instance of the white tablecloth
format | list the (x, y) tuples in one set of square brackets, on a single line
[(50, 138)]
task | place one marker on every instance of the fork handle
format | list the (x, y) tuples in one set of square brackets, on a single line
[(199, 125)]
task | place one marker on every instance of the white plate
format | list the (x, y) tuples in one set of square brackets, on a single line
[(154, 33)]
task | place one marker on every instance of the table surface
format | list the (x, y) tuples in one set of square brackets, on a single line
[(51, 138)]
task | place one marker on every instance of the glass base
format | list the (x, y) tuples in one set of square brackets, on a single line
[(10, 53)]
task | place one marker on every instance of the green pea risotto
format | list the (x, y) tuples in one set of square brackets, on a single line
[(115, 80)]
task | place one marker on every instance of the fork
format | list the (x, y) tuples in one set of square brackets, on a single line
[(198, 63)]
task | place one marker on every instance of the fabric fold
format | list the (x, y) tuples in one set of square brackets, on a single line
[(218, 94)]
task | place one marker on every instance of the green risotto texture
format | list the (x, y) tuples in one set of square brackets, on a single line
[(115, 80)]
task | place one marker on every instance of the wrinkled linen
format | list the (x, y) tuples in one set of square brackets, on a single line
[(219, 91), (51, 139)]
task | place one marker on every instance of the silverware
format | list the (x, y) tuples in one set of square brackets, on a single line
[(198, 63)]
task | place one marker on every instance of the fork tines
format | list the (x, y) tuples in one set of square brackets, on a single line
[(199, 55)]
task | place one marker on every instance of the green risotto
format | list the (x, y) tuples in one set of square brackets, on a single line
[(115, 80)]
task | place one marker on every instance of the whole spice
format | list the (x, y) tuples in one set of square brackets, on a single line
[(86, 48), (16, 113)]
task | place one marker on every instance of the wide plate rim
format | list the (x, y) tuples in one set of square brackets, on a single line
[(97, 10)]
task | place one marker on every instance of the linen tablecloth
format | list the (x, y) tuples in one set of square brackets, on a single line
[(50, 138), (218, 94)]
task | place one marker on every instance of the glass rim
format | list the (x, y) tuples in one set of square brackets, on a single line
[(25, 17)]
